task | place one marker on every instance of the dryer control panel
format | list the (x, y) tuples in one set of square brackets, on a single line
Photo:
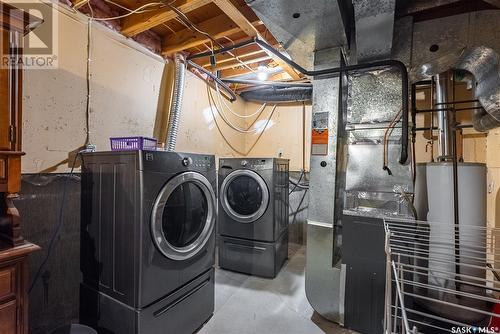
[(251, 163)]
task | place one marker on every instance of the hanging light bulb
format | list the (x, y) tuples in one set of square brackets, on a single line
[(262, 72), (262, 76)]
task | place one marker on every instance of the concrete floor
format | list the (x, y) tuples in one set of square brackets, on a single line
[(252, 305)]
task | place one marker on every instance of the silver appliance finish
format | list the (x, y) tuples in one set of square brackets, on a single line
[(374, 100), (324, 278), (229, 210), (253, 215), (444, 92), (320, 26), (374, 20), (176, 104), (465, 42), (182, 253)]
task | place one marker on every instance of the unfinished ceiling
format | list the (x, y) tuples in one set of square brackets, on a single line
[(193, 26)]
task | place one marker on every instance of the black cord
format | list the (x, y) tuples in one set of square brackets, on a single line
[(57, 229), (298, 207), (296, 184), (299, 185)]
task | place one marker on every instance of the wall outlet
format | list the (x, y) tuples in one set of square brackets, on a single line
[(280, 152)]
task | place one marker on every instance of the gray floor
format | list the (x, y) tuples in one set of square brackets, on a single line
[(251, 305)]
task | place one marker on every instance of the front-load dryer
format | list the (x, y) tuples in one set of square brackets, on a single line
[(147, 241), (253, 214)]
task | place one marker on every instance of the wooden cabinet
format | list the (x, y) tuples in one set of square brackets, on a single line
[(14, 24), (13, 289)]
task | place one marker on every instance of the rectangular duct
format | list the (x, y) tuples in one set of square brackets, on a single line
[(324, 274), (374, 100), (374, 21), (303, 27)]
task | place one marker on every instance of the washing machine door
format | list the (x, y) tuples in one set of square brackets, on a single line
[(183, 216), (244, 195)]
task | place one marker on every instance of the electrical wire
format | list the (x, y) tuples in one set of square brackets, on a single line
[(160, 4), (387, 134), (88, 79), (225, 138), (214, 78), (172, 30), (58, 226), (223, 102), (183, 19), (298, 184), (229, 123), (131, 12), (298, 207)]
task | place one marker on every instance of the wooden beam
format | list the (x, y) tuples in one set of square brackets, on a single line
[(237, 63), (225, 58), (217, 27), (234, 14), (137, 23), (288, 69), (233, 72)]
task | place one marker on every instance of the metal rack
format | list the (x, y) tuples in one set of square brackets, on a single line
[(433, 286)]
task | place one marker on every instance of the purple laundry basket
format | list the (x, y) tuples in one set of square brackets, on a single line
[(133, 143)]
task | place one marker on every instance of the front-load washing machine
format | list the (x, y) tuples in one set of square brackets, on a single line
[(253, 215), (147, 241)]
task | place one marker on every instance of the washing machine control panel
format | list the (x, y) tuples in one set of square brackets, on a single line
[(198, 162), (256, 164), (259, 164)]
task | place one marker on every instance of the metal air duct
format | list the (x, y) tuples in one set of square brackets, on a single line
[(483, 63), (444, 94), (279, 95), (176, 105), (374, 20), (304, 27)]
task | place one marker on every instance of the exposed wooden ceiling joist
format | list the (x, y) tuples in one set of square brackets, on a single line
[(239, 63), (228, 58), (217, 27), (233, 72), (234, 14), (226, 21), (135, 24)]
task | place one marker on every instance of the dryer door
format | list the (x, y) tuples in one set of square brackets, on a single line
[(244, 195), (183, 216)]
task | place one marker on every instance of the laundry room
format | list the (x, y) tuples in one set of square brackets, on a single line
[(249, 166)]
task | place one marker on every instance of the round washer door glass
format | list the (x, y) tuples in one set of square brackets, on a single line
[(183, 216), (245, 196), (187, 204)]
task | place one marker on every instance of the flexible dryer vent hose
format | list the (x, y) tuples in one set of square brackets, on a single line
[(176, 105)]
